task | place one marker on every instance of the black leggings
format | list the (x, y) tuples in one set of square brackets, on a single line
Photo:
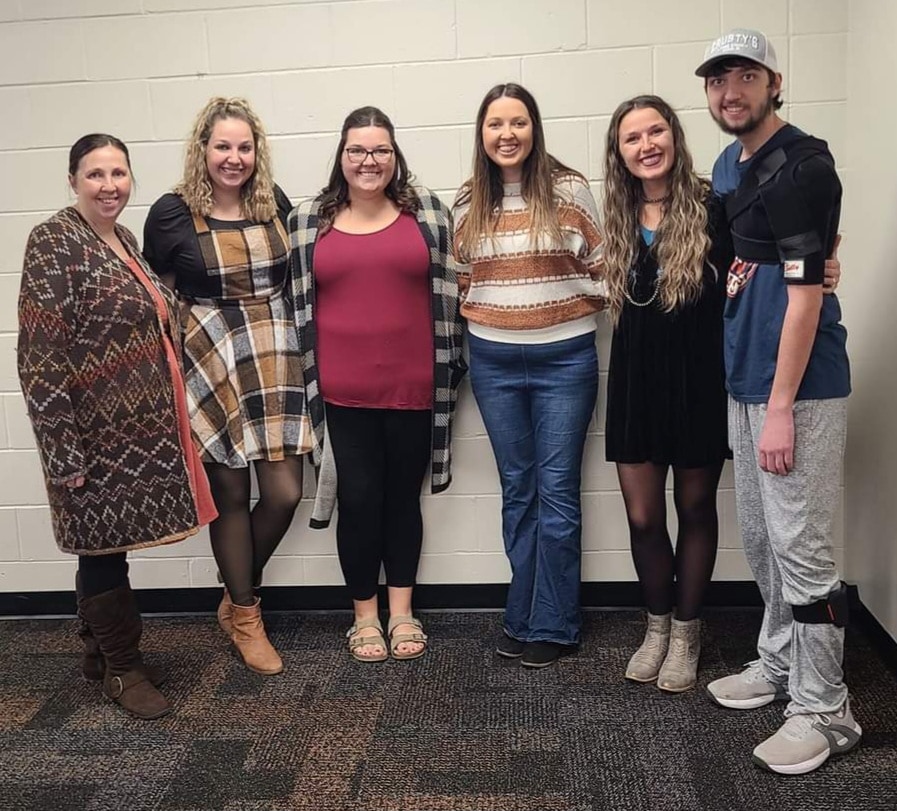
[(243, 540), (381, 457), (101, 573), (665, 576)]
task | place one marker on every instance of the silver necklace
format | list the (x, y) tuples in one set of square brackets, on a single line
[(629, 281), (650, 301)]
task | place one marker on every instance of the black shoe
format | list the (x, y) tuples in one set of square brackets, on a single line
[(543, 654), (509, 647)]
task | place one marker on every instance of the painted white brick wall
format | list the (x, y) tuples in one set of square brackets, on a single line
[(142, 68)]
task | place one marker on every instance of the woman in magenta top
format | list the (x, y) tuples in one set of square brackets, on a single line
[(377, 312), (375, 339)]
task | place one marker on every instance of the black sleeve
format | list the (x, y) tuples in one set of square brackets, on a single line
[(818, 192), (169, 236), (722, 251), (284, 206)]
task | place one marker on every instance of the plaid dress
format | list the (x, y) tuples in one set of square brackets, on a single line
[(241, 353)]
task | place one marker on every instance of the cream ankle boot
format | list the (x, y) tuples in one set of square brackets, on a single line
[(646, 661), (680, 668)]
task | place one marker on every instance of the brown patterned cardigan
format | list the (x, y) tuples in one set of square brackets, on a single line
[(99, 394)]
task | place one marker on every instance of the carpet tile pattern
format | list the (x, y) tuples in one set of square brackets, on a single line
[(458, 730)]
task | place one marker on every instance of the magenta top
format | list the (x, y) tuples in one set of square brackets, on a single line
[(375, 332)]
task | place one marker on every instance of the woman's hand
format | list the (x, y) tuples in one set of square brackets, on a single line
[(832, 269), (74, 483)]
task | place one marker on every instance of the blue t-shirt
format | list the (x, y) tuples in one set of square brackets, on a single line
[(757, 297)]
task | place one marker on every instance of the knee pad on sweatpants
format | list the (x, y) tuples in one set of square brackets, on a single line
[(831, 610)]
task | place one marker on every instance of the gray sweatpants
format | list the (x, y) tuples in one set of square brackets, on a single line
[(786, 527)]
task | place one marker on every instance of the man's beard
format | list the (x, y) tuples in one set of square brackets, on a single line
[(752, 122)]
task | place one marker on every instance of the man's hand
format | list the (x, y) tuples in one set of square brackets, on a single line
[(777, 442)]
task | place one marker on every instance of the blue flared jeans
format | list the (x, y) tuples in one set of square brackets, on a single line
[(537, 401)]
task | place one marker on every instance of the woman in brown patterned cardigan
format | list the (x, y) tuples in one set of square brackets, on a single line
[(100, 370)]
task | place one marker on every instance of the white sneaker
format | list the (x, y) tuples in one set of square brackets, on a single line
[(746, 690), (804, 742)]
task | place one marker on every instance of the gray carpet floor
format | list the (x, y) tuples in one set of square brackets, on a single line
[(458, 730)]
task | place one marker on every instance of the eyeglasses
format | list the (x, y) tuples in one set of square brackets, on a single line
[(381, 154)]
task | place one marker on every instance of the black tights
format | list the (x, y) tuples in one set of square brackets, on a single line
[(101, 573), (666, 576), (243, 540)]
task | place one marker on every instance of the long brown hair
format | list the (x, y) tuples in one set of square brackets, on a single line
[(484, 190), (680, 243), (335, 195), (257, 193)]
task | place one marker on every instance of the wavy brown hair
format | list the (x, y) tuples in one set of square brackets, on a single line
[(680, 243), (257, 193), (484, 190), (335, 195)]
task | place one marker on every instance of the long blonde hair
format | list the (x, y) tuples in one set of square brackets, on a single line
[(484, 190), (680, 243), (257, 193)]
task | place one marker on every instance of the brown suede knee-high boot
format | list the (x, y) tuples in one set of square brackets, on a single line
[(115, 622), (93, 665)]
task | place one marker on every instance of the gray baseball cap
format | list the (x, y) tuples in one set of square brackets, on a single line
[(741, 43)]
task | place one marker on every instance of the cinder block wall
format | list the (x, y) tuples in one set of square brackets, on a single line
[(142, 68)]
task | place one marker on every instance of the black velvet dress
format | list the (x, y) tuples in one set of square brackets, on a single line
[(666, 400)]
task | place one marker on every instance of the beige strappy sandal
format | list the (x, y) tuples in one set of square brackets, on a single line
[(357, 641), (397, 639)]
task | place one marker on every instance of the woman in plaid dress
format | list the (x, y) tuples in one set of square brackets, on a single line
[(219, 241)]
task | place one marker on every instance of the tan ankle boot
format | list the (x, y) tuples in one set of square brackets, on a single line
[(226, 614), (680, 668), (646, 661), (251, 641)]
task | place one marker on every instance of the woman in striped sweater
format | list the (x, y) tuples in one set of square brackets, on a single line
[(529, 270)]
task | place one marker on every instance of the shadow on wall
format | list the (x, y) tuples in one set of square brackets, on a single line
[(870, 478)]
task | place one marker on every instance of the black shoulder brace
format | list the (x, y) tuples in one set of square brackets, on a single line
[(769, 222)]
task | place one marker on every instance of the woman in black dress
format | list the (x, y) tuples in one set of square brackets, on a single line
[(667, 252)]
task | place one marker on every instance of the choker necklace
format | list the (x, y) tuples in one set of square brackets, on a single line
[(656, 199)]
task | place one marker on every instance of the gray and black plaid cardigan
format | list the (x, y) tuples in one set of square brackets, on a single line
[(435, 223)]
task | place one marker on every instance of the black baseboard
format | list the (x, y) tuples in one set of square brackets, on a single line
[(330, 598), (483, 596)]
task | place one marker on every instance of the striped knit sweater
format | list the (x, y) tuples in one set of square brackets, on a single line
[(508, 284)]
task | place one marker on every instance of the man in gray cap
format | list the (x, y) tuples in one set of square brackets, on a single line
[(788, 379)]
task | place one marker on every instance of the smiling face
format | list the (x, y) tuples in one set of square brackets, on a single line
[(102, 184), (507, 135), (645, 141), (741, 99), (230, 155), (371, 176)]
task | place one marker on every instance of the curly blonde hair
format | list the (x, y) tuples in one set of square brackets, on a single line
[(680, 243), (257, 194)]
